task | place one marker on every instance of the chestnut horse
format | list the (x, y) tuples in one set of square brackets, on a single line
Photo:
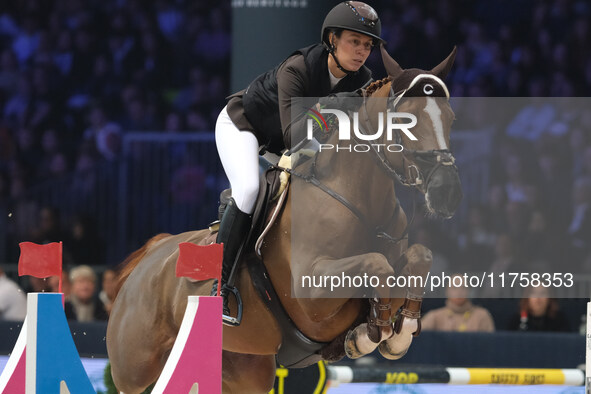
[(356, 193)]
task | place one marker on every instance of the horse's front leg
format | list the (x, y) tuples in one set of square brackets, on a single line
[(365, 338), (415, 263)]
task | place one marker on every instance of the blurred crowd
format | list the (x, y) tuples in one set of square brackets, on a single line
[(77, 74), (87, 299), (537, 214), (506, 48)]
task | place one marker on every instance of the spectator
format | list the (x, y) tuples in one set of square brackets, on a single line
[(109, 291), (538, 312), (170, 19), (51, 146), (105, 135), (38, 285), (64, 55), (84, 183), (136, 117), (505, 256), (215, 39), (53, 282), (477, 242), (187, 185), (174, 122), (458, 314), (497, 201), (85, 245), (427, 236), (195, 120), (104, 84), (578, 142), (586, 161), (24, 211), (505, 260), (579, 229), (8, 72), (58, 165), (16, 107), (27, 40), (13, 303), (49, 229), (554, 178), (518, 187), (83, 54), (28, 150), (152, 70), (82, 298)]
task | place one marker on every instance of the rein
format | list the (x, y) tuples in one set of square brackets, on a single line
[(378, 231)]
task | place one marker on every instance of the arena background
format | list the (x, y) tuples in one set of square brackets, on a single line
[(107, 111)]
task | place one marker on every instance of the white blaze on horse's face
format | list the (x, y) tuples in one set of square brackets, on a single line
[(434, 112), (434, 119)]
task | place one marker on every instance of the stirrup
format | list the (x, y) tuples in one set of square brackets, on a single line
[(214, 226), (230, 320)]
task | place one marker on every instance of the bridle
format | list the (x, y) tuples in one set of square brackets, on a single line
[(430, 161), (422, 163)]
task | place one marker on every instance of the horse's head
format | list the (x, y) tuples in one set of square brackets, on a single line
[(426, 161)]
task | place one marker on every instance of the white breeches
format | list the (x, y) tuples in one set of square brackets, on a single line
[(239, 153)]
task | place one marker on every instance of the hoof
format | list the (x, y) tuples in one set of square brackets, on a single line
[(397, 346), (357, 342), (386, 352), (351, 349)]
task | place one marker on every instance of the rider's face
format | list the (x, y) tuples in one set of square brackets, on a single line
[(352, 49)]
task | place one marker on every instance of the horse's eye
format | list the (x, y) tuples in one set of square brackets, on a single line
[(428, 89)]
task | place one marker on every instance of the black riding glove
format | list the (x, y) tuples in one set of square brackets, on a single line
[(344, 101)]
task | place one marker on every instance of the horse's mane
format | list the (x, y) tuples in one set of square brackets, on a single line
[(375, 85), (133, 260)]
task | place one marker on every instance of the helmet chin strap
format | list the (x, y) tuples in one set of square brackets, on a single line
[(331, 51)]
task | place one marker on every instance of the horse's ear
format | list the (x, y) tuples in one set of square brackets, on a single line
[(443, 68), (392, 67)]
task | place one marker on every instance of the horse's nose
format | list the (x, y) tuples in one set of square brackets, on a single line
[(445, 190)]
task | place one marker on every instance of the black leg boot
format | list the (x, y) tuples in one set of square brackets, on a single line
[(234, 228)]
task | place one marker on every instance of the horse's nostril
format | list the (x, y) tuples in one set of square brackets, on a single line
[(436, 182), (444, 198)]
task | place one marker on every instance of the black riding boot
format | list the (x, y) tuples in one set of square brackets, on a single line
[(233, 230)]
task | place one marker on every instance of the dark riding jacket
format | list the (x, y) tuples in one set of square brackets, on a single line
[(265, 107)]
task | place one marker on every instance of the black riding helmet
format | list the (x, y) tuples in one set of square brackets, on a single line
[(351, 15)]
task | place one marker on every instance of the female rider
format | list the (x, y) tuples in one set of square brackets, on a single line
[(258, 118)]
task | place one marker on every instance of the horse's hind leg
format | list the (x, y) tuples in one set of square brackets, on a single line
[(133, 371), (247, 373), (137, 351)]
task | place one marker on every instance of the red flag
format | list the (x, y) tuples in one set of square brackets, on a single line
[(40, 261), (200, 262)]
